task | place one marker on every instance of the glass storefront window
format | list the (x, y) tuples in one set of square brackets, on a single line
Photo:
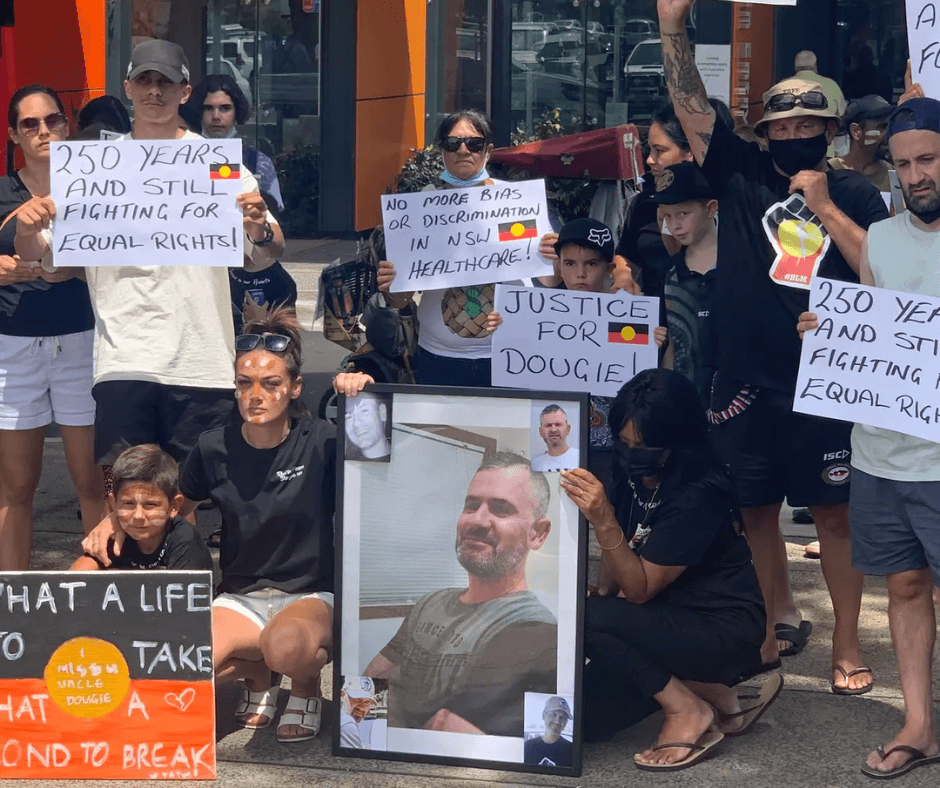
[(871, 48)]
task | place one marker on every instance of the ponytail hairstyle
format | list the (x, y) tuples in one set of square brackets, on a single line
[(283, 320)]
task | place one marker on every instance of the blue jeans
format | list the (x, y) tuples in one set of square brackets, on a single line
[(434, 370)]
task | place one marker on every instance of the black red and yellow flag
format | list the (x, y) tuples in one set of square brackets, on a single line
[(517, 231), (628, 333), (224, 172)]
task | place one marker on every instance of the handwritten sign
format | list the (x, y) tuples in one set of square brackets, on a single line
[(572, 341), (106, 675), (147, 202), (923, 36), (473, 236), (875, 358)]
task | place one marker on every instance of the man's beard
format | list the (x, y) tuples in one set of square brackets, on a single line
[(925, 207), (499, 563)]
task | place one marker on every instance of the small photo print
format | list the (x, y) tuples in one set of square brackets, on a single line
[(363, 713), (548, 730), (369, 427), (553, 441)]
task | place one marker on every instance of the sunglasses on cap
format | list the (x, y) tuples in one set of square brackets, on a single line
[(55, 123), (786, 101), (276, 343), (474, 144)]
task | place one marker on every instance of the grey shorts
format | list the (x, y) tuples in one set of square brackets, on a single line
[(264, 604), (895, 525)]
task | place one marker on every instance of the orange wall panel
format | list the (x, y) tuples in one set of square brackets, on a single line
[(386, 131), (390, 48), (760, 36)]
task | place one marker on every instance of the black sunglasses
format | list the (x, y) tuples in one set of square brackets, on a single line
[(474, 144), (55, 122), (786, 101), (276, 343)]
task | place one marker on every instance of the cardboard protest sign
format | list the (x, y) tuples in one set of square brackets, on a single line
[(923, 37), (564, 340), (147, 202), (455, 237), (875, 358), (106, 675)]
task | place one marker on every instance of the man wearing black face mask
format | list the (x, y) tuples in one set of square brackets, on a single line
[(785, 217)]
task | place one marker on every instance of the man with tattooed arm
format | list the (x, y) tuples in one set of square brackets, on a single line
[(785, 217)]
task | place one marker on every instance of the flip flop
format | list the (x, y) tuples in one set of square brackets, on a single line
[(812, 550), (697, 751), (917, 759), (845, 690), (798, 636), (769, 691)]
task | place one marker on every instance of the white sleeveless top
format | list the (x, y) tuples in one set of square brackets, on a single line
[(905, 258)]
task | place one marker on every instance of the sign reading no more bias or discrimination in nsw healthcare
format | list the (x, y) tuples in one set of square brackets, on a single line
[(562, 340), (147, 202), (875, 358), (106, 675), (923, 38), (473, 236)]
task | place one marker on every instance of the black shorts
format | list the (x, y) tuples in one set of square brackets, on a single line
[(774, 453), (131, 412)]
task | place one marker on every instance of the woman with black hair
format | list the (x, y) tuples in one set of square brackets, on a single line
[(678, 618)]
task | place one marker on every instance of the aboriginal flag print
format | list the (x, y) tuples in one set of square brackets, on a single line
[(224, 172), (628, 333), (517, 231)]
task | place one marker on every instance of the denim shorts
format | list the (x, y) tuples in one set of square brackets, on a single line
[(264, 604)]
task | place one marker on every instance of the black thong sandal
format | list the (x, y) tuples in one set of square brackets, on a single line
[(917, 758), (845, 690), (798, 636)]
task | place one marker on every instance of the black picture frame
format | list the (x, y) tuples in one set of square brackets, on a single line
[(450, 428)]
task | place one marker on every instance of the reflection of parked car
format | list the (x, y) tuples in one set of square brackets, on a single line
[(564, 53), (527, 39), (646, 81), (567, 24), (637, 30), (228, 67)]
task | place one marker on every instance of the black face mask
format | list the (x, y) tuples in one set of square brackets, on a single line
[(639, 461), (791, 156)]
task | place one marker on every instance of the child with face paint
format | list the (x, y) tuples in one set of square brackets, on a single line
[(145, 507)]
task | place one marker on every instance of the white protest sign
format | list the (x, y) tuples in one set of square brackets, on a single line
[(714, 66), (923, 37), (875, 358), (147, 202), (564, 340), (473, 236)]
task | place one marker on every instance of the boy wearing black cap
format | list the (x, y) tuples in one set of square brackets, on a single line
[(689, 208), (866, 123)]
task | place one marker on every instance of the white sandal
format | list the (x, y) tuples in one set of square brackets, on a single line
[(302, 712), (263, 703)]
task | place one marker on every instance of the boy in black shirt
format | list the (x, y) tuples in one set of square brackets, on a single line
[(145, 503)]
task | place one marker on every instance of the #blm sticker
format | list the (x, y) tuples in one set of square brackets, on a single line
[(224, 172), (628, 333), (517, 231)]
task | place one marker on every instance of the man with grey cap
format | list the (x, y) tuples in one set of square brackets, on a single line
[(551, 748), (165, 348), (357, 699), (866, 124), (895, 502), (785, 217)]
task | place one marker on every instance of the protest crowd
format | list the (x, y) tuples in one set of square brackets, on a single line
[(688, 464)]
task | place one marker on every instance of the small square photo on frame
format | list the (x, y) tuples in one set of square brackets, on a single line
[(461, 576)]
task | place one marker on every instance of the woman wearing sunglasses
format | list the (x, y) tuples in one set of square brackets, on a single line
[(46, 337)]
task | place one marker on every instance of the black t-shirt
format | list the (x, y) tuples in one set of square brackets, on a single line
[(641, 242), (538, 753), (695, 526), (276, 504), (689, 306), (182, 548), (757, 302), (37, 308), (271, 287)]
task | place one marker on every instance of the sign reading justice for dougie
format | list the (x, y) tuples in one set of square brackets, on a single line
[(875, 358), (147, 202), (473, 236)]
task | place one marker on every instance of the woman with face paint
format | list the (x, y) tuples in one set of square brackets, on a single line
[(678, 617)]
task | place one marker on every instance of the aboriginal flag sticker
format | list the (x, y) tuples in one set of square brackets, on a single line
[(628, 333), (224, 172), (518, 231)]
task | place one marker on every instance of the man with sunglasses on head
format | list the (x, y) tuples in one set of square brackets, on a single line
[(163, 371), (785, 217)]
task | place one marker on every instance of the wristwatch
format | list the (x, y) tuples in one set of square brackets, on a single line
[(268, 236)]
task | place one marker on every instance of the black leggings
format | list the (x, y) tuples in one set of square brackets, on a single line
[(635, 649)]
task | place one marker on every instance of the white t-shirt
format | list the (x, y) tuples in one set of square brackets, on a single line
[(545, 463)]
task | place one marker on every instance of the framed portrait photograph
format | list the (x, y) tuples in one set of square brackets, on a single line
[(461, 573)]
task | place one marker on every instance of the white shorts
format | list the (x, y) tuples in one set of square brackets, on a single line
[(264, 604), (46, 379)]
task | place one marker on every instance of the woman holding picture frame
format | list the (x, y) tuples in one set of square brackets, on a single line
[(678, 618)]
